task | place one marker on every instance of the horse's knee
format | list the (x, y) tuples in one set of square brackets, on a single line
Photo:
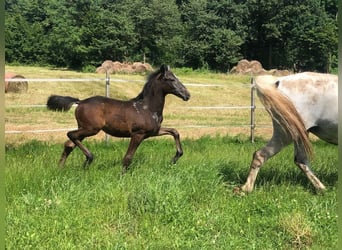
[(176, 134), (258, 159), (69, 144), (71, 136), (68, 147)]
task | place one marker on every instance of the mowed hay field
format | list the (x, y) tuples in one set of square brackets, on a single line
[(156, 205), (209, 110)]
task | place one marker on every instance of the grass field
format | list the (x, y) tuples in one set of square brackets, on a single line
[(157, 205)]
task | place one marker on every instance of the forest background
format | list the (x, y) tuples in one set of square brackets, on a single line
[(298, 35)]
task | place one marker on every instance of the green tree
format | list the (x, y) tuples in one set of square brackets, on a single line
[(89, 33), (194, 33), (211, 40), (286, 34), (314, 37), (159, 30), (24, 31)]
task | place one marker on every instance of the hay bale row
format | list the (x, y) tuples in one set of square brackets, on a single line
[(17, 86), (254, 67), (248, 67), (118, 67)]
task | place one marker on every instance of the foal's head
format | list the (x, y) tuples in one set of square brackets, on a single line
[(170, 84)]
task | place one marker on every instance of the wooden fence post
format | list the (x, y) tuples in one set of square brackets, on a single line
[(252, 109)]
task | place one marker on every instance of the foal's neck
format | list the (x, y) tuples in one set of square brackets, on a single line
[(155, 102), (152, 99)]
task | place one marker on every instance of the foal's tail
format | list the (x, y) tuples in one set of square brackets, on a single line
[(282, 110), (61, 103)]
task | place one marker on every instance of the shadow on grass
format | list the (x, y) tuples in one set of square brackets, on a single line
[(232, 174)]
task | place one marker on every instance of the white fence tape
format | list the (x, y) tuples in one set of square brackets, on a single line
[(97, 80), (105, 80)]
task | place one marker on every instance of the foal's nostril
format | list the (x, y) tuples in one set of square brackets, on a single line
[(186, 96)]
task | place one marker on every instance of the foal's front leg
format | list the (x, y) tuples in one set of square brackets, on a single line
[(175, 134)]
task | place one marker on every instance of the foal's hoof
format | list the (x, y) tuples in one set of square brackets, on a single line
[(87, 163), (61, 163), (320, 191), (175, 159), (124, 170), (238, 191)]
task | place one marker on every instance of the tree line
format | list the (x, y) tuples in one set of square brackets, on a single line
[(212, 34)]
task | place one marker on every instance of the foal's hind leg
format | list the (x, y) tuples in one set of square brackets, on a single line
[(68, 147), (301, 160), (175, 134), (77, 136)]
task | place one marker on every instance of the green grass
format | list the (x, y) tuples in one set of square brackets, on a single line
[(156, 205)]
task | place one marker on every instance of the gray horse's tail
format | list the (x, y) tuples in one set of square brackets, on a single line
[(282, 110), (61, 103)]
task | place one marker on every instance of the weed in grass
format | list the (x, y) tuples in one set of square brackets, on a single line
[(297, 228)]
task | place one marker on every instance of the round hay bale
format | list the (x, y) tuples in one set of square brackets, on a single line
[(117, 66), (248, 67), (148, 67), (127, 68), (234, 70), (243, 65), (17, 86), (108, 64), (241, 68), (100, 70), (139, 67), (255, 66)]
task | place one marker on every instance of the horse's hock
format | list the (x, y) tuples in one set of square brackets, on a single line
[(17, 85)]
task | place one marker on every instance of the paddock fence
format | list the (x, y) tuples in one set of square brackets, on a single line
[(243, 116)]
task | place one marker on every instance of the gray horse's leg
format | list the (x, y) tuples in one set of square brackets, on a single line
[(301, 160), (279, 140)]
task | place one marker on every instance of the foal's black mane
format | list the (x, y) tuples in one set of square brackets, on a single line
[(148, 85)]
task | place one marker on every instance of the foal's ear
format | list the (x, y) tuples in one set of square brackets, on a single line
[(164, 68)]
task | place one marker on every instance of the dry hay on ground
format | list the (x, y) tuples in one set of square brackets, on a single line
[(18, 86), (255, 68), (128, 68)]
